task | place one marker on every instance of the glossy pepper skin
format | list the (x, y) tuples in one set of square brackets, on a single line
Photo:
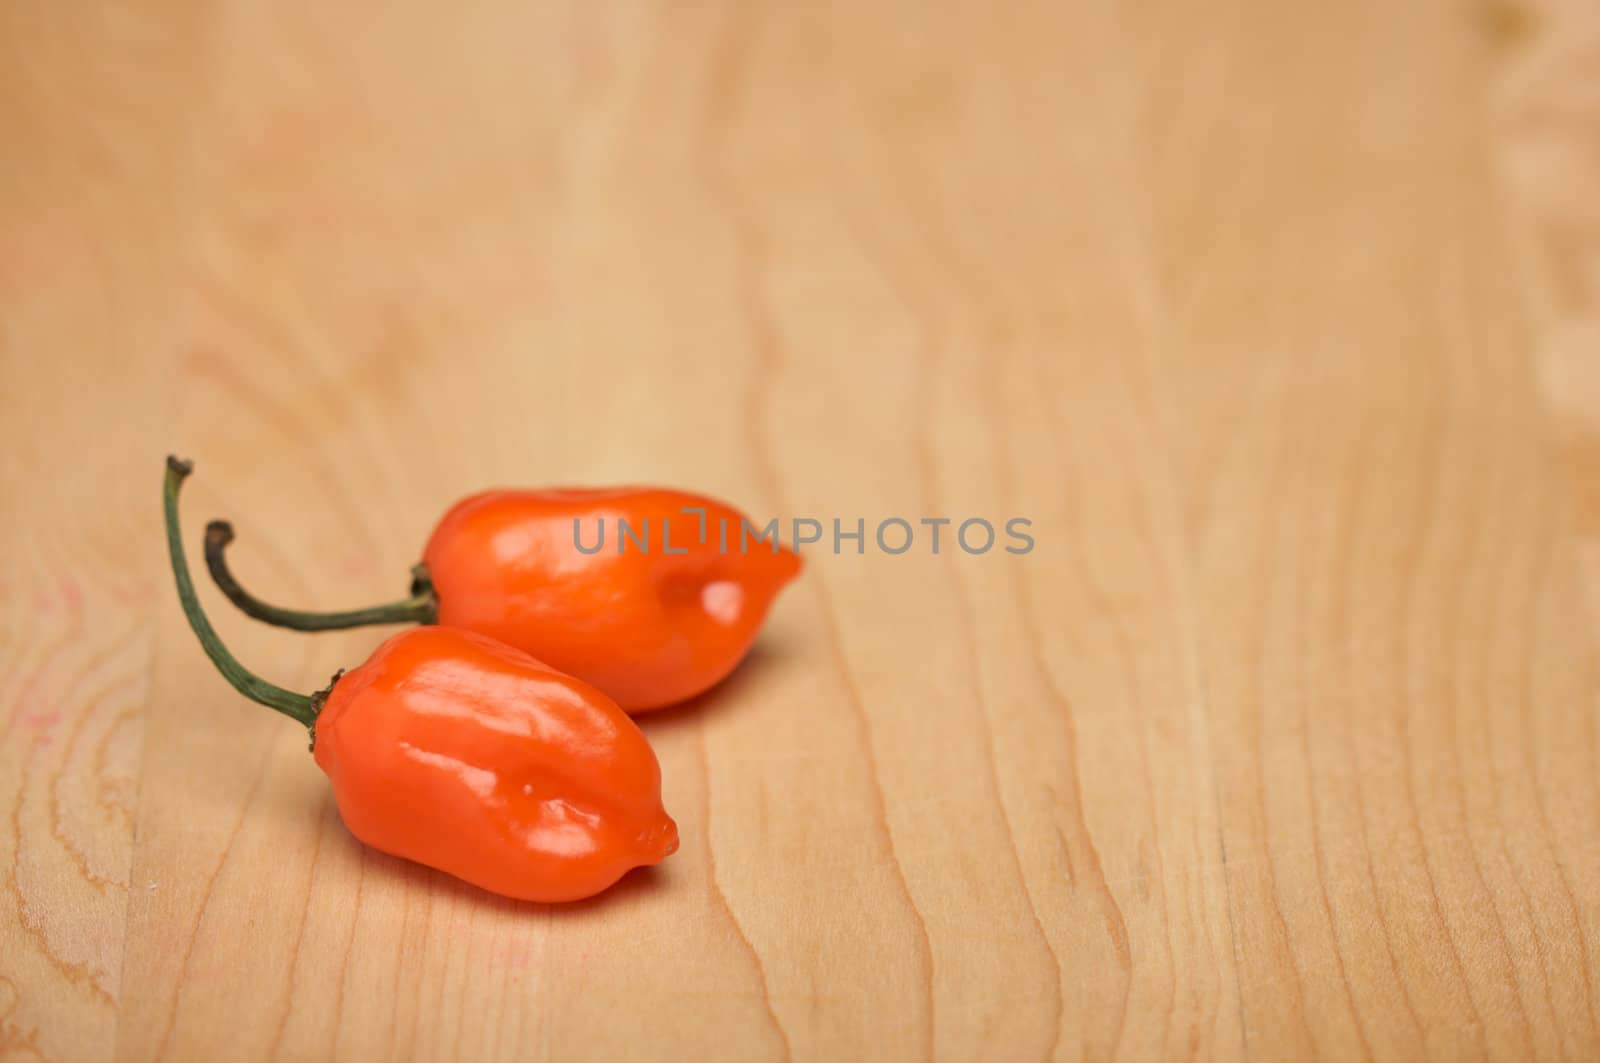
[(651, 595), (648, 627), (464, 754), (467, 755)]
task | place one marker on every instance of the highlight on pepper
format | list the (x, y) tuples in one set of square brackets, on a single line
[(651, 628), (456, 751)]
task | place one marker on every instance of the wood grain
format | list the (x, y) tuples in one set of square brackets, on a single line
[(1281, 322)]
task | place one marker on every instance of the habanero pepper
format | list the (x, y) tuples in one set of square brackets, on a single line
[(464, 754), (661, 610)]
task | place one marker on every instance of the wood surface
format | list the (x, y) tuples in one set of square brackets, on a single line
[(1280, 321)]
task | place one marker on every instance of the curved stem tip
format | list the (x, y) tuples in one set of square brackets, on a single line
[(421, 607), (299, 707)]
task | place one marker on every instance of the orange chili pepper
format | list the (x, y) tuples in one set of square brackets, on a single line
[(652, 595), (467, 755)]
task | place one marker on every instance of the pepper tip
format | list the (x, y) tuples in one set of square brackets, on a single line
[(660, 841)]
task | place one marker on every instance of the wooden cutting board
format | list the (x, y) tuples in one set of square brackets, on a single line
[(1278, 321)]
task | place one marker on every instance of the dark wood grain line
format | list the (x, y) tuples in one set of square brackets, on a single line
[(1100, 598), (1081, 838), (1461, 695), (969, 639), (86, 703), (1547, 833), (1313, 804), (1416, 550), (727, 86), (186, 954), (14, 1040), (1159, 332), (1261, 582), (400, 965), (880, 801), (1454, 307), (274, 1048), (1492, 613), (329, 807), (77, 974), (107, 797), (1320, 865), (934, 345), (720, 899), (1549, 431), (1348, 511)]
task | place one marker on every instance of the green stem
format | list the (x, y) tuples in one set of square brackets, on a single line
[(422, 607), (300, 707)]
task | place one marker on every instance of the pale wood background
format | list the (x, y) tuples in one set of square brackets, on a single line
[(1281, 320)]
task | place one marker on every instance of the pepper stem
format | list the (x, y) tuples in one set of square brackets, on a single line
[(299, 707), (421, 607)]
